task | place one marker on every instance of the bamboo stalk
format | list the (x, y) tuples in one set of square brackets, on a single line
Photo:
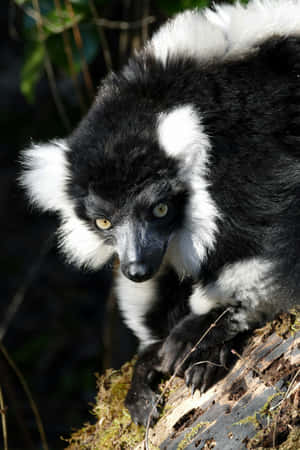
[(3, 420), (102, 35), (49, 69), (69, 55), (28, 394), (79, 44)]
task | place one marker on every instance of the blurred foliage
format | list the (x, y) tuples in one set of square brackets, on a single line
[(66, 32), (32, 68), (44, 23), (174, 6)]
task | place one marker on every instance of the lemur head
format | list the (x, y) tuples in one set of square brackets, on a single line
[(129, 181)]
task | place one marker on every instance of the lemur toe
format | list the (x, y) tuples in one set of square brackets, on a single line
[(206, 367), (172, 355)]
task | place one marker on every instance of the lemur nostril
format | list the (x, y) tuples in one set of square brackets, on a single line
[(138, 271)]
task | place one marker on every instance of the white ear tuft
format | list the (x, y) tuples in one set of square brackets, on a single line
[(180, 132), (181, 135), (82, 246), (45, 176)]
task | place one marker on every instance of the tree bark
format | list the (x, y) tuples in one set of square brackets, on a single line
[(255, 405)]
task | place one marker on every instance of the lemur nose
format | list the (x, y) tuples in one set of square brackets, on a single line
[(137, 271)]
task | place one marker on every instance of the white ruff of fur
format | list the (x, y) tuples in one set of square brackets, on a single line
[(135, 300), (229, 32), (82, 246), (45, 176), (249, 282), (181, 135)]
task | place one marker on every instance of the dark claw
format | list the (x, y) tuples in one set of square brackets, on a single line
[(202, 376), (188, 378), (224, 355), (193, 389), (208, 378), (203, 388), (153, 378)]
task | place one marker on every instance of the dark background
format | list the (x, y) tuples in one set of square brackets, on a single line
[(56, 322), (53, 317)]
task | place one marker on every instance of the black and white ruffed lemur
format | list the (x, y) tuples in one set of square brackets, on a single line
[(187, 166)]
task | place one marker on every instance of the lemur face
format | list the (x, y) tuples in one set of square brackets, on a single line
[(140, 229), (127, 192), (126, 184)]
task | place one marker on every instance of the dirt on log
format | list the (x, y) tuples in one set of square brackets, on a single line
[(257, 405)]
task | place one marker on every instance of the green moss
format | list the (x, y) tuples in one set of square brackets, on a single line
[(293, 440), (288, 324), (277, 423), (168, 390), (191, 434), (285, 325), (249, 419), (295, 327), (265, 409), (113, 427)]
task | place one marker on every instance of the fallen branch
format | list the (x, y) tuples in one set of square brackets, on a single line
[(176, 373)]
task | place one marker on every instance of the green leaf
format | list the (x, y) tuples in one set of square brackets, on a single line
[(45, 6), (91, 44), (32, 69), (57, 21)]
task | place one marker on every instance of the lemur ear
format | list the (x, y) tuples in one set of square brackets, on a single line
[(45, 175), (181, 134)]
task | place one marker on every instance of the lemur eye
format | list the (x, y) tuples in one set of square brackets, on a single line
[(103, 224), (160, 210)]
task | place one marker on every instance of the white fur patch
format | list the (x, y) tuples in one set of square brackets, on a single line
[(181, 135), (244, 277), (200, 302), (135, 300), (45, 176), (180, 131), (230, 31), (248, 282), (82, 246), (188, 34)]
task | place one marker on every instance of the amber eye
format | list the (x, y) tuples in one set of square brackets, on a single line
[(160, 210), (103, 224)]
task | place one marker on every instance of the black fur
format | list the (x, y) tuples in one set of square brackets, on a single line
[(250, 109)]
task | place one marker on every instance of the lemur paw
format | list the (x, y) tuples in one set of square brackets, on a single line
[(201, 366), (141, 399), (202, 361), (176, 352), (208, 365), (211, 361), (141, 403)]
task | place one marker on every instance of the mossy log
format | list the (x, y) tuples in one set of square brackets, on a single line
[(255, 406)]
